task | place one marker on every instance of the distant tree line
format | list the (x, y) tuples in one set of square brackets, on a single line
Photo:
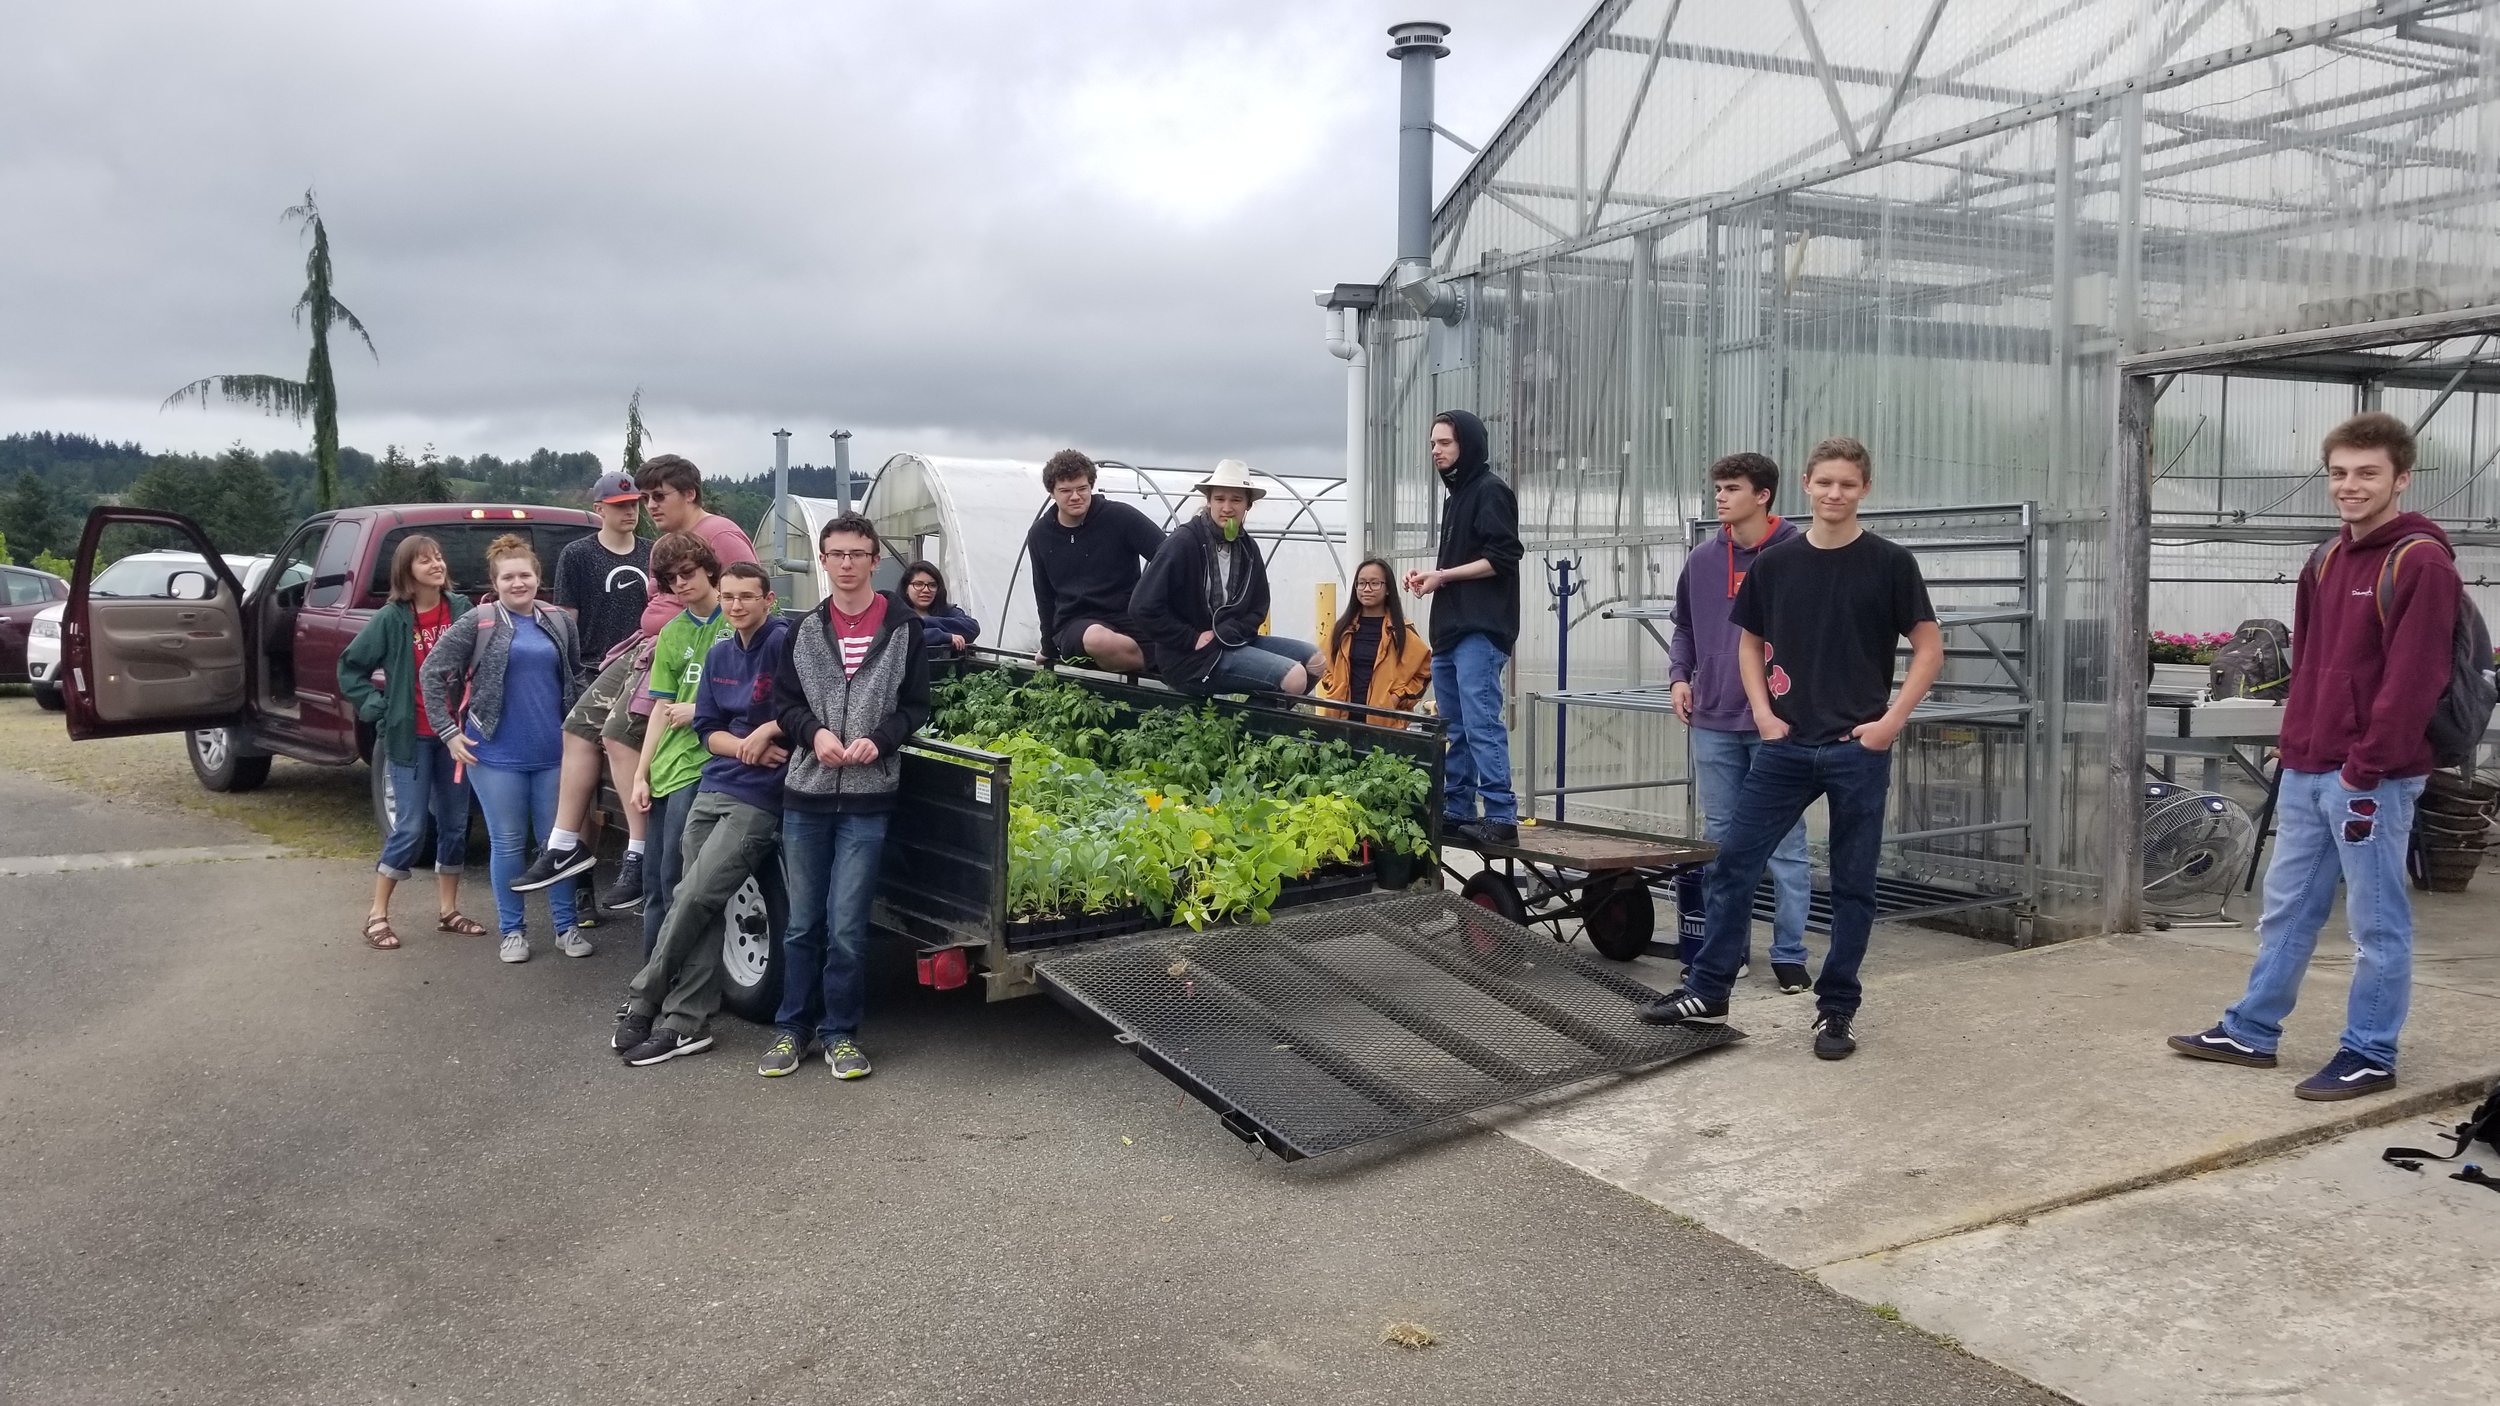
[(247, 502)]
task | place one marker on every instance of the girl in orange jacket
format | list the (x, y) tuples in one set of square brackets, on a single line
[(1374, 656)]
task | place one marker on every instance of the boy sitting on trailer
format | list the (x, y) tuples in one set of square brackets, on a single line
[(1200, 606)]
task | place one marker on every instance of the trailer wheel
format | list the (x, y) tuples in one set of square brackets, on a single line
[(1620, 922), (750, 947), (1495, 893)]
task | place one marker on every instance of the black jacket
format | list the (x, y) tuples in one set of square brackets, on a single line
[(1179, 598), (1480, 522)]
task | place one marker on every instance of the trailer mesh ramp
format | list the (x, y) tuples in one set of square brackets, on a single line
[(1327, 1029)]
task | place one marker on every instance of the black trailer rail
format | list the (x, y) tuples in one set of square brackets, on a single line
[(1341, 1024), (1602, 879)]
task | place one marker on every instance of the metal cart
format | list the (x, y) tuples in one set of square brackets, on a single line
[(1560, 873)]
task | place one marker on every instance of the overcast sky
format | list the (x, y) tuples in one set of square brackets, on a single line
[(951, 227)]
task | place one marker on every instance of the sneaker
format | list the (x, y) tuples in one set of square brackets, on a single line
[(1682, 1007), (625, 895), (586, 907), (553, 864), (572, 944), (2217, 1045), (2348, 1075), (1791, 977), (516, 947), (632, 1028), (846, 1060), (664, 1045), (782, 1058), (1832, 1039), (1476, 834)]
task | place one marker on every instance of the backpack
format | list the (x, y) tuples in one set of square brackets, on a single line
[(2482, 1125), (2256, 662), (2465, 706)]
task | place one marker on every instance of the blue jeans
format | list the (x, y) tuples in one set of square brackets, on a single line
[(1467, 682), (830, 860), (420, 791), (663, 860), (1720, 762), (1261, 665), (1786, 777), (520, 806), (2323, 834)]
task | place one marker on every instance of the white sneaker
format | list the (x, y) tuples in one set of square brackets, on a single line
[(516, 947), (573, 944)]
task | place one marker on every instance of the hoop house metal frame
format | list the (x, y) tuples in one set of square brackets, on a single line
[(2121, 260)]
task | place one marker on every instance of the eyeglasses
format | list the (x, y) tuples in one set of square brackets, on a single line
[(844, 557), (740, 597), (681, 573)]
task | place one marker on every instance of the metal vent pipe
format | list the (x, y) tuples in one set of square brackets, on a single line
[(1417, 46)]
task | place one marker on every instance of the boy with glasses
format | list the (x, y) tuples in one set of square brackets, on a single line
[(852, 683), (733, 826), (1086, 552), (672, 756)]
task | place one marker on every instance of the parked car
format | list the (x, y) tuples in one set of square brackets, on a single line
[(139, 574), (24, 593)]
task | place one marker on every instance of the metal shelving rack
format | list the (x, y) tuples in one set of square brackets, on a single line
[(1986, 704)]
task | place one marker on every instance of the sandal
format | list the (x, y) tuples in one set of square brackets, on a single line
[(461, 923), (378, 934)]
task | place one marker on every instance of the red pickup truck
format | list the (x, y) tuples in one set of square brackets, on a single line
[(251, 675)]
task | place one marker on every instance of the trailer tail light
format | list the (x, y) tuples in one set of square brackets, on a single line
[(946, 968)]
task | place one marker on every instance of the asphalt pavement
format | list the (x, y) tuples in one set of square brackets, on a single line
[(250, 1160)]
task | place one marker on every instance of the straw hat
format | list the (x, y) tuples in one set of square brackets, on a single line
[(1232, 473)]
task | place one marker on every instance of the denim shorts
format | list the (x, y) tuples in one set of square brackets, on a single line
[(1260, 666)]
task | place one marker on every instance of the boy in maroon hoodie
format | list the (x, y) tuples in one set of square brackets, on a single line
[(2371, 651)]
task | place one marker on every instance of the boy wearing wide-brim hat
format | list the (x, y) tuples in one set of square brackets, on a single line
[(1203, 599)]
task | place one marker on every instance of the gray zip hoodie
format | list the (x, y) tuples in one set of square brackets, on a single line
[(472, 656), (886, 701)]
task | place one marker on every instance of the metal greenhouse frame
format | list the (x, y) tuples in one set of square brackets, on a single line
[(2118, 261)]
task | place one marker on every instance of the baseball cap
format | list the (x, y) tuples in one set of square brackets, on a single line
[(615, 487)]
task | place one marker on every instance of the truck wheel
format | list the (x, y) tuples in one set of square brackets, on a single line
[(750, 947), (217, 760), (48, 697)]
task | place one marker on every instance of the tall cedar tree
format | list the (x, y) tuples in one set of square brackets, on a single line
[(635, 434), (317, 395)]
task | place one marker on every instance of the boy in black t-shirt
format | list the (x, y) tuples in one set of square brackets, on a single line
[(1820, 616)]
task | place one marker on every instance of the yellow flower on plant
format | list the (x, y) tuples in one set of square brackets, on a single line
[(1154, 800)]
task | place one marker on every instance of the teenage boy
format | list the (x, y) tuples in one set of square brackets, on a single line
[(611, 716), (1086, 550), (1709, 690), (605, 578), (852, 685), (1202, 600), (1821, 617), (2373, 625), (733, 827), (1475, 624), (672, 756)]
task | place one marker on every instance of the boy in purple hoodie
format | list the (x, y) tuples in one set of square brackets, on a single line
[(1710, 694), (2372, 643)]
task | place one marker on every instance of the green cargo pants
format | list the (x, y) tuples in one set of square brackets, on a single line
[(726, 842)]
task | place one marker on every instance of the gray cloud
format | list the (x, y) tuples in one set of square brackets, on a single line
[(952, 227)]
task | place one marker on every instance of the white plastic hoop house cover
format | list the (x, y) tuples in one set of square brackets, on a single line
[(970, 516)]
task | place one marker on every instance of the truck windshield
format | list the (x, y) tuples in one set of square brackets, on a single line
[(464, 549)]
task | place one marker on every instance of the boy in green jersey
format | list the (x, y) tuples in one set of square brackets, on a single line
[(672, 756)]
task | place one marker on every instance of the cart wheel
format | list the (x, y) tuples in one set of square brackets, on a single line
[(1619, 924), (1495, 893)]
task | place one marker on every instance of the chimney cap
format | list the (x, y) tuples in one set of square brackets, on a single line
[(1418, 36)]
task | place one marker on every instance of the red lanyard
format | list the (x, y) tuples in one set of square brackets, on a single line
[(1736, 578)]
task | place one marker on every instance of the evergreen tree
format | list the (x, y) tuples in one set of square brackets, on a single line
[(31, 519), (317, 395), (248, 512), (635, 434), (432, 485), (174, 484)]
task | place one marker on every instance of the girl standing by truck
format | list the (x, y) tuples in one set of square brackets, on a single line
[(516, 665), (424, 782)]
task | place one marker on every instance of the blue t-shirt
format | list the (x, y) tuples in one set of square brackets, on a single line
[(530, 735)]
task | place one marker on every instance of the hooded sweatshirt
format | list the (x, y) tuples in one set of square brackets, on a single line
[(1702, 651), (2366, 672), (1480, 522), (1188, 591)]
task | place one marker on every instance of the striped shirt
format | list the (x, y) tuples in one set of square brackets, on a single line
[(856, 632)]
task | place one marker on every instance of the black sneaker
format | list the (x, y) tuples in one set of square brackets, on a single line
[(624, 895), (2348, 1075), (666, 1044), (632, 1028), (2217, 1045), (846, 1060), (1476, 834), (1832, 1039), (1682, 1007), (1792, 977), (553, 864)]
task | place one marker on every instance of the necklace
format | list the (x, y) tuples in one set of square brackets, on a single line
[(847, 620)]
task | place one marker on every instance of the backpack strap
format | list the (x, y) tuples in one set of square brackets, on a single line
[(2387, 570)]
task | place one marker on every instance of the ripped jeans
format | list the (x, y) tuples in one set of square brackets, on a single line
[(2325, 835)]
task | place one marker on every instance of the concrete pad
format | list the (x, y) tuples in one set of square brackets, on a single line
[(2454, 942), (1985, 1090), (2327, 1277)]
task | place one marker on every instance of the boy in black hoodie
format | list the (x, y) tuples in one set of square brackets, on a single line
[(1200, 604), (1475, 623)]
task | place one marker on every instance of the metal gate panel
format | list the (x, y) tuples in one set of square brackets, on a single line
[(1334, 1027)]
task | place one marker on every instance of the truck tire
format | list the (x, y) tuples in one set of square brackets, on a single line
[(750, 951), (218, 760), (48, 697)]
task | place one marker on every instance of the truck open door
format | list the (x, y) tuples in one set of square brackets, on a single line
[(172, 663)]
